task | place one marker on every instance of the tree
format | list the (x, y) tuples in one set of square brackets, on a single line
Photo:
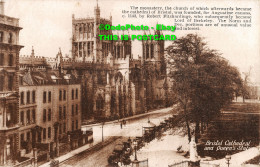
[(245, 86), (203, 81)]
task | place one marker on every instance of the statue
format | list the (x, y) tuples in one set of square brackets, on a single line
[(193, 150)]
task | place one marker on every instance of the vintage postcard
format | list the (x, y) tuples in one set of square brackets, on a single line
[(137, 83)]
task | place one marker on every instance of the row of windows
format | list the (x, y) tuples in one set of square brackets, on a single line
[(45, 97), (30, 117), (30, 97), (45, 115), (74, 126), (74, 94), (10, 58), (28, 135), (64, 95), (9, 39)]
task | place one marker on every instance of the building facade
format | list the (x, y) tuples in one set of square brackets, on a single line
[(114, 84), (49, 108), (9, 101)]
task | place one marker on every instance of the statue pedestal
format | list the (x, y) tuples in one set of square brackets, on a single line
[(194, 163)]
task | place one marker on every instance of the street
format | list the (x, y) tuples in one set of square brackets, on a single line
[(113, 134)]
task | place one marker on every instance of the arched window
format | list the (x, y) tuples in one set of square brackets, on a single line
[(100, 103)]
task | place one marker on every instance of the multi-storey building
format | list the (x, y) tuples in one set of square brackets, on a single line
[(49, 107), (9, 66)]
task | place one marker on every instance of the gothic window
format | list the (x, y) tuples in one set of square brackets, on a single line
[(80, 29), (100, 103), (152, 51), (147, 51), (118, 52), (100, 80)]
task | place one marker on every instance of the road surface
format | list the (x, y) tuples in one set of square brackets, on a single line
[(113, 134)]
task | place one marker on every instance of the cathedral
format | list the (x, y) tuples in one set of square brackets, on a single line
[(114, 84)]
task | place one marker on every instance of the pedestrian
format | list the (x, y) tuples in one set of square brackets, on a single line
[(121, 125)]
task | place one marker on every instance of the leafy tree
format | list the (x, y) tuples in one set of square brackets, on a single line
[(203, 81)]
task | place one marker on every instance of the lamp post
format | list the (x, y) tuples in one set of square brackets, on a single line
[(103, 123), (228, 158), (135, 145), (135, 162)]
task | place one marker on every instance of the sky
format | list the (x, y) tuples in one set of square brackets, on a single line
[(47, 26)]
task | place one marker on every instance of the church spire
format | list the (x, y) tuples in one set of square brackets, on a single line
[(32, 54)]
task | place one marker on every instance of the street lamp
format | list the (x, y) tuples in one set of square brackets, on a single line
[(228, 158), (103, 123), (135, 145)]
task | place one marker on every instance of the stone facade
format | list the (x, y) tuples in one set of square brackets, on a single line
[(114, 84), (9, 66), (50, 107)]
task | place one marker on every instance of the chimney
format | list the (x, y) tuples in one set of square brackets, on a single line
[(2, 7)]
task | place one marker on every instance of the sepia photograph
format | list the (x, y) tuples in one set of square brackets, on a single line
[(133, 83)]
